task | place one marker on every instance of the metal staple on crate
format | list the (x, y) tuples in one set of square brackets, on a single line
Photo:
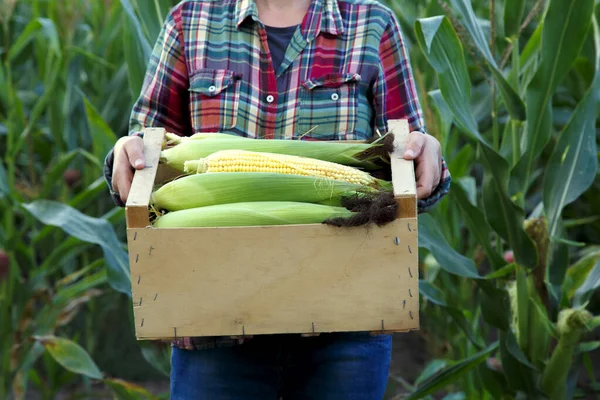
[(142, 324), (404, 303), (410, 313), (382, 327), (410, 272), (150, 250), (409, 292), (313, 327), (137, 257), (155, 296), (397, 241)]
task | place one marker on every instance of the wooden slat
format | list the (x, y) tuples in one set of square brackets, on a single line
[(259, 280), (136, 209), (403, 171)]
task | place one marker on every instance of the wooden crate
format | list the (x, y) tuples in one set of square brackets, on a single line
[(235, 281)]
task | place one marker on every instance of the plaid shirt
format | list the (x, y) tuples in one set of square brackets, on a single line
[(346, 72)]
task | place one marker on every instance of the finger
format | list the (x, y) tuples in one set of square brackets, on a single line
[(134, 148), (415, 145), (125, 185), (425, 180), (113, 183)]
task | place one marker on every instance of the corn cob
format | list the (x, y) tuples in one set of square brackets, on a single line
[(251, 214), (249, 161), (341, 153), (201, 190)]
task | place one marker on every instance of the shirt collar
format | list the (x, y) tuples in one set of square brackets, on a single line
[(245, 9), (322, 16)]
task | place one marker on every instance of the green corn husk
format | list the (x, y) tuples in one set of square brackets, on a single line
[(251, 214), (172, 139), (209, 189), (341, 153), (572, 323)]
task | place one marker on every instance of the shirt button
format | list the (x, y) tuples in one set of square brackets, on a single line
[(335, 97), (270, 99), (212, 88)]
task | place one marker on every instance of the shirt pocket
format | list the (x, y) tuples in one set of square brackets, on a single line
[(214, 99), (328, 107)]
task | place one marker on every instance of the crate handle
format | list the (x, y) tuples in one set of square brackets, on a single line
[(136, 209), (403, 171)]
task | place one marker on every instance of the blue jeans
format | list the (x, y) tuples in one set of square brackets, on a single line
[(327, 367)]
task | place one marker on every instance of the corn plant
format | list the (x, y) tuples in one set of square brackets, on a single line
[(62, 106), (514, 102)]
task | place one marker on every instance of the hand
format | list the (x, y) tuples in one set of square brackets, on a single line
[(425, 150), (129, 155)]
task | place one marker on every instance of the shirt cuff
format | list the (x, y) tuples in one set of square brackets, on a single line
[(108, 172), (424, 205)]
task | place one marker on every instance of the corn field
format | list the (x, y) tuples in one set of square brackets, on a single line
[(510, 260)]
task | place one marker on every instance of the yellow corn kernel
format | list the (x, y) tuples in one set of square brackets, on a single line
[(249, 161)]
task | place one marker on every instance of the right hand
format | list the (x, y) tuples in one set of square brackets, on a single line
[(129, 156)]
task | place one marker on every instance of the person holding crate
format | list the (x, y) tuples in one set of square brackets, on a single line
[(281, 69)]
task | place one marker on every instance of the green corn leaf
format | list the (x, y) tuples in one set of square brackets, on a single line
[(501, 212), (522, 311), (442, 48), (103, 138), (43, 25), (450, 374), (477, 224), (502, 272), (444, 115), (578, 273), (589, 286), (81, 200), (3, 180), (463, 9), (572, 167), (137, 48), (124, 390), (47, 320), (588, 347), (430, 370), (434, 294), (152, 15), (19, 385), (513, 16), (62, 163), (70, 355), (574, 158), (565, 27), (514, 104), (516, 351), (451, 261), (157, 356), (88, 229), (518, 376), (495, 305), (493, 381)]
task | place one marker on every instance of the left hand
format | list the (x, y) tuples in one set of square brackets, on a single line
[(425, 150)]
